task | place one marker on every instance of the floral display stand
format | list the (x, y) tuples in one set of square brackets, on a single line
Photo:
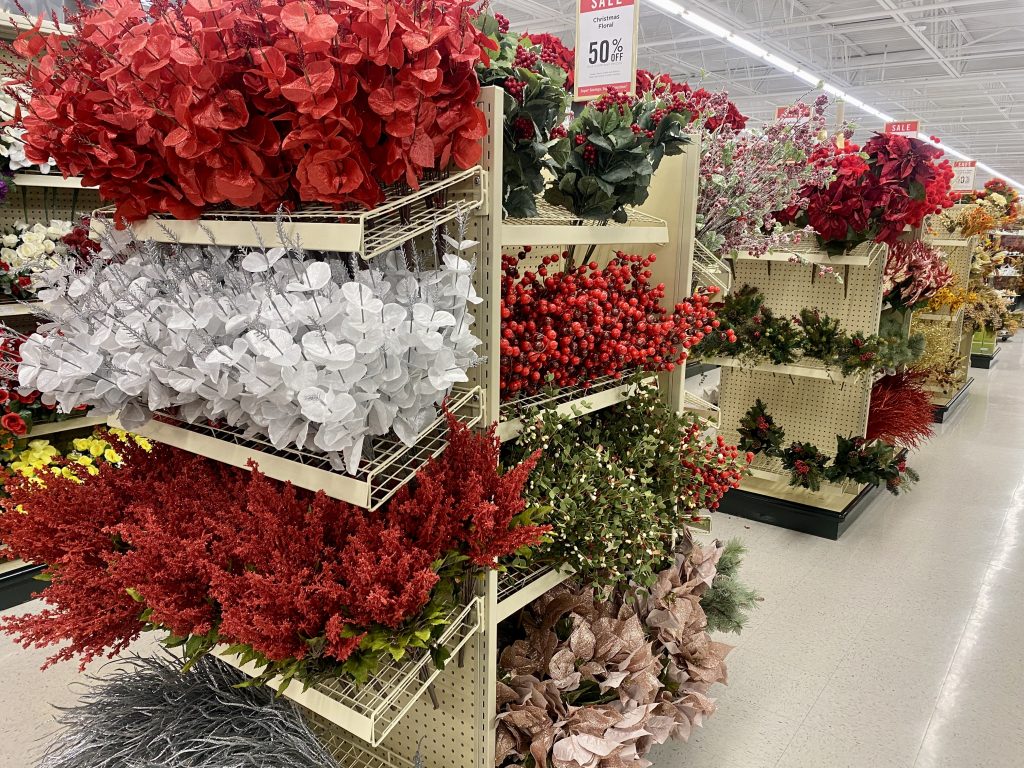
[(814, 403), (948, 331), (36, 197), (411, 707)]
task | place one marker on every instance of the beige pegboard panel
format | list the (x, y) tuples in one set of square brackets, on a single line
[(43, 204), (485, 228), (812, 410), (856, 302), (454, 733)]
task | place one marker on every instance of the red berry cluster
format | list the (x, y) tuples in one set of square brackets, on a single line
[(525, 58), (616, 99), (524, 128), (503, 23), (587, 322), (515, 88), (559, 132), (637, 130), (716, 468), (590, 154)]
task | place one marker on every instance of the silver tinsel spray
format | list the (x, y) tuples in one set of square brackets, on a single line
[(144, 713)]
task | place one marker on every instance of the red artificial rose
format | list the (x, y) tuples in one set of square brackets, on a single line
[(4, 396), (14, 424)]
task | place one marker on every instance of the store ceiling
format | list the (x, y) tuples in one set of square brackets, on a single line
[(957, 65)]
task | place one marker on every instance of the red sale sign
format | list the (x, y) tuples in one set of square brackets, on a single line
[(964, 173), (606, 33), (904, 127)]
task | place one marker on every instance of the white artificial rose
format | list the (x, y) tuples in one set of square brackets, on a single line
[(10, 241)]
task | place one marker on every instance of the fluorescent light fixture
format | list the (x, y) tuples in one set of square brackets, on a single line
[(748, 46), (705, 23)]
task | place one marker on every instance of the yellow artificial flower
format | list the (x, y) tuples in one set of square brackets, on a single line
[(112, 456)]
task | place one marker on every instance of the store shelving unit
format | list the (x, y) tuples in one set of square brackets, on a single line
[(67, 425), (51, 180), (454, 725), (810, 401), (949, 331), (411, 708)]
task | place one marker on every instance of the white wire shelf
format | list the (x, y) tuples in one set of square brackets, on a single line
[(12, 308), (805, 368), (808, 252), (707, 265), (940, 317), (404, 216), (517, 589), (54, 427), (769, 478), (348, 752), (603, 392), (706, 411), (389, 466), (53, 180), (554, 225), (371, 710)]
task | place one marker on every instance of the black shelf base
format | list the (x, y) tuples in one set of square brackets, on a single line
[(984, 361), (943, 412), (793, 515), (17, 586)]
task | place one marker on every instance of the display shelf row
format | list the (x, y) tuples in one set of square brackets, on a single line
[(67, 425), (13, 308), (808, 252), (554, 225), (519, 588), (320, 228), (603, 392), (804, 368), (51, 180), (768, 476), (350, 754), (386, 227), (370, 711), (388, 463)]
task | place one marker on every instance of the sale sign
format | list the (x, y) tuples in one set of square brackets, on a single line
[(965, 171), (606, 34), (904, 127)]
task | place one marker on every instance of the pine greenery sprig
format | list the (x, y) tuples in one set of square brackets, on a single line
[(823, 336), (728, 602)]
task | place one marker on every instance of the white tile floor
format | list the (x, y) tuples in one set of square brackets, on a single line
[(899, 646)]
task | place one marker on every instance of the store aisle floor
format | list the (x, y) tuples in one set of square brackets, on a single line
[(898, 646)]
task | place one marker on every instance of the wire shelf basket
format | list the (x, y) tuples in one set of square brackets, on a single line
[(601, 393), (347, 752), (556, 225), (404, 216), (371, 710), (391, 464), (519, 588)]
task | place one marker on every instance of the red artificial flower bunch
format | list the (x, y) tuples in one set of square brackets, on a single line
[(715, 108), (893, 183), (716, 468), (211, 552), (178, 107), (80, 244), (586, 322), (554, 51), (901, 411)]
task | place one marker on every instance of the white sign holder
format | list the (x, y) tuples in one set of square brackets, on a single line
[(606, 47)]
